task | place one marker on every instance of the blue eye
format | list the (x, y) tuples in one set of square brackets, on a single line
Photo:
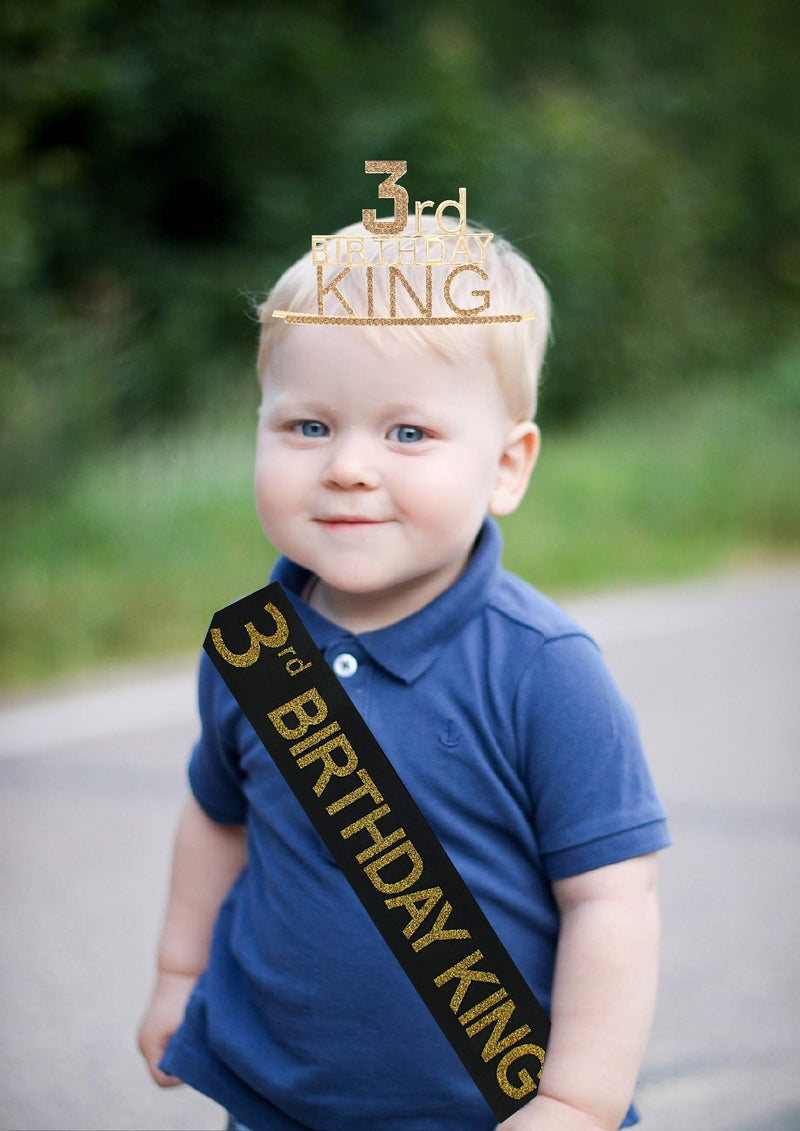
[(313, 428), (408, 433)]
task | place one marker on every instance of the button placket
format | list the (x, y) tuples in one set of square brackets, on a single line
[(345, 665)]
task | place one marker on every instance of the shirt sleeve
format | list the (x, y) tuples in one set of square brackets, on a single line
[(593, 801), (215, 774)]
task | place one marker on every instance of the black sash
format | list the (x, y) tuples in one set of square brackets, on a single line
[(383, 844)]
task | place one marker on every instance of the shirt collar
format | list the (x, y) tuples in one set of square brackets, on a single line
[(408, 648)]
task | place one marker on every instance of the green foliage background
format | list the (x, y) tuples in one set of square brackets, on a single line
[(164, 161)]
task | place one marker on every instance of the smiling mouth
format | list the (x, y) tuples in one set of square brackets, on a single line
[(349, 520)]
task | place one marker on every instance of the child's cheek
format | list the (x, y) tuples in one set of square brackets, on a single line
[(437, 491), (275, 486), (276, 462)]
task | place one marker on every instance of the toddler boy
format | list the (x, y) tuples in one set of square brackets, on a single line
[(382, 454)]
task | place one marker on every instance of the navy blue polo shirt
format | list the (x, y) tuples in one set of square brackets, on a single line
[(501, 717)]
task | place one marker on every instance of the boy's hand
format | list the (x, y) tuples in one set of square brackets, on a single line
[(545, 1113), (164, 1015)]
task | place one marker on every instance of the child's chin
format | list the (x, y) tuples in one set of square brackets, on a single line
[(360, 585)]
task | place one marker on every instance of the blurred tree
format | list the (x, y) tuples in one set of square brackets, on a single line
[(165, 159)]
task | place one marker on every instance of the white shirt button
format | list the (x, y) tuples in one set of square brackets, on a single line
[(345, 665)]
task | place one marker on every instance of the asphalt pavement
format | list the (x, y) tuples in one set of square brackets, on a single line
[(92, 776)]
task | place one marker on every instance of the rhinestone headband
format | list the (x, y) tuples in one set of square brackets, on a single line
[(396, 249)]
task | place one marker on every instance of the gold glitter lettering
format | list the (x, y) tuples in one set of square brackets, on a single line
[(370, 291), (331, 768), (418, 249), (461, 207), (368, 787), (527, 1084), (419, 208), (437, 933), (429, 897), (396, 249), (484, 239), (394, 274), (297, 707), (379, 841), (465, 974), (477, 1010), (245, 659), (295, 317), (319, 249), (461, 248), (410, 250), (313, 739), (428, 241), (381, 241), (405, 849), (387, 190), (392, 838), (448, 281), (355, 246), (501, 1015), (322, 290)]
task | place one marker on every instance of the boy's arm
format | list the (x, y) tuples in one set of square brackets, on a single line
[(207, 859), (604, 992)]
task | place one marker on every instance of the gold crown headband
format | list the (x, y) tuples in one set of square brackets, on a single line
[(347, 252)]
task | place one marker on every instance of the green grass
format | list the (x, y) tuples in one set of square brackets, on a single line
[(129, 557), (707, 481)]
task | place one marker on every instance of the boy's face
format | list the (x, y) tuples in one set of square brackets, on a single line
[(375, 472)]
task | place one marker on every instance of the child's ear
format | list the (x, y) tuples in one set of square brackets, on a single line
[(517, 461)]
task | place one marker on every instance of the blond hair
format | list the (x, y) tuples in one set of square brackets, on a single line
[(516, 349)]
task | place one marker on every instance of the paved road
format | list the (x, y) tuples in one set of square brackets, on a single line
[(90, 784)]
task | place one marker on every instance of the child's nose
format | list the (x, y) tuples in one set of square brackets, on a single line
[(351, 463)]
